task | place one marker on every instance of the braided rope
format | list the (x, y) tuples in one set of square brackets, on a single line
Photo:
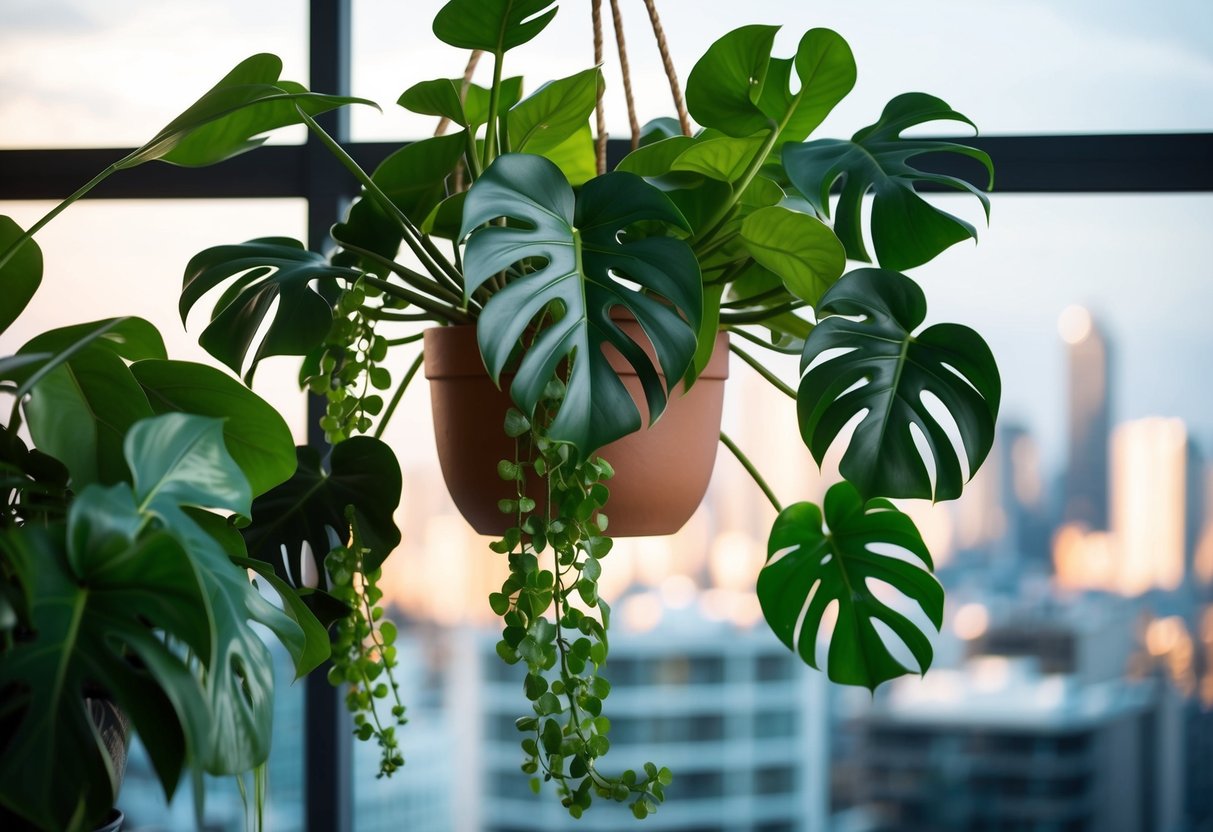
[(633, 122), (663, 46), (600, 145)]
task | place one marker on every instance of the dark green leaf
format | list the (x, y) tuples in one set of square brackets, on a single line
[(315, 648), (256, 436), (583, 256), (88, 625), (248, 101), (907, 230), (306, 514), (495, 26), (896, 368), (833, 565), (724, 87), (800, 249), (266, 269), (20, 271), (414, 179)]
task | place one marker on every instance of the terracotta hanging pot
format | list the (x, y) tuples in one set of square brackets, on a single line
[(661, 472)]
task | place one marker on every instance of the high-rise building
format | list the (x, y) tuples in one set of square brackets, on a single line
[(1088, 397), (1149, 510), (738, 718)]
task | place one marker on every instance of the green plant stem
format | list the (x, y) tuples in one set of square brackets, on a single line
[(750, 301), (438, 266), (396, 317), (751, 470), (760, 315), (490, 130), (407, 339), (763, 371), (754, 339), (404, 383), (700, 241), (11, 251), (444, 313), (416, 279)]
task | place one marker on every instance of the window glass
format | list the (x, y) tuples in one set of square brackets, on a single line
[(1012, 67), (83, 73)]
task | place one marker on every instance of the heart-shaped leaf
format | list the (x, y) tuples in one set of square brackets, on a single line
[(248, 101), (554, 112), (494, 26), (887, 371), (809, 567), (20, 271), (907, 230), (441, 97), (800, 249), (723, 88), (254, 433), (305, 516), (577, 257), (266, 269)]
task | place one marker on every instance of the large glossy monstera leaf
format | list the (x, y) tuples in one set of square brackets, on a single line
[(907, 230), (569, 262), (809, 567), (265, 270), (886, 372)]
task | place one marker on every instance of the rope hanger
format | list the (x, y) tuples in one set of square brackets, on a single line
[(667, 63)]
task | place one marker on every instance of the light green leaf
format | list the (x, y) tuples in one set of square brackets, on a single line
[(315, 648), (656, 158), (811, 566), (800, 249), (575, 157), (182, 458), (907, 230), (826, 69), (725, 158), (20, 271), (724, 87), (254, 433), (495, 26), (872, 313), (580, 252), (554, 112)]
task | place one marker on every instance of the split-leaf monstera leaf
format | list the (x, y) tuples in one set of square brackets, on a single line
[(568, 263), (810, 567), (887, 370), (265, 270), (131, 558), (307, 513), (907, 231)]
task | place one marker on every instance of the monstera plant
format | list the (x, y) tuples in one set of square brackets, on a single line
[(511, 225), (146, 506)]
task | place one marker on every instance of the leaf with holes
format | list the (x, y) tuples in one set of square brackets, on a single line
[(265, 270), (810, 567), (307, 512), (573, 255), (907, 230), (887, 371)]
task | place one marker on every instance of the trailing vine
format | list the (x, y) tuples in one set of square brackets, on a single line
[(556, 623), (364, 649)]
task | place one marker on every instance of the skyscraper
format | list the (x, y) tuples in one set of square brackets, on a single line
[(1086, 481)]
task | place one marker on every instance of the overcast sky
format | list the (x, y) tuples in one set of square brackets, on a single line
[(111, 72)]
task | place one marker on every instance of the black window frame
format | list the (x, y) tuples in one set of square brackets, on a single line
[(1158, 162)]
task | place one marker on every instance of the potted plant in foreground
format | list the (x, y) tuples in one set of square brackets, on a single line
[(574, 278)]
